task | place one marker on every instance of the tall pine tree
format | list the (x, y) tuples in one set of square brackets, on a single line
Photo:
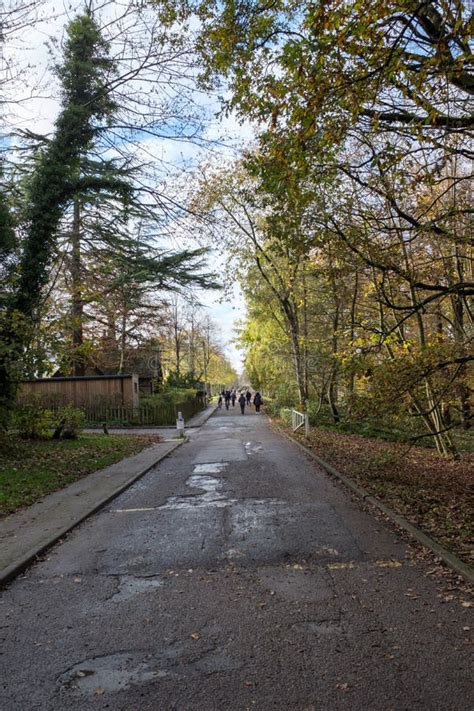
[(85, 105)]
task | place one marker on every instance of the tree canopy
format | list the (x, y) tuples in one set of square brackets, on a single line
[(360, 172)]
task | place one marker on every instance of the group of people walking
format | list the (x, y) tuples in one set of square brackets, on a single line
[(245, 398)]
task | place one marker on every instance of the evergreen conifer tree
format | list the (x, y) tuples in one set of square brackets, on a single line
[(85, 75)]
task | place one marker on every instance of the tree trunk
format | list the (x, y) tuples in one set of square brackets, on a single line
[(462, 388), (305, 338), (77, 303), (301, 381), (332, 386), (192, 346), (432, 414), (123, 343), (332, 397), (177, 337), (177, 348), (353, 327)]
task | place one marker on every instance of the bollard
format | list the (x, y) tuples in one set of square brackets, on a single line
[(180, 424)]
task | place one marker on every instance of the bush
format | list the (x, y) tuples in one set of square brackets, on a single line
[(169, 397), (319, 415), (285, 395), (32, 421), (285, 414), (69, 422), (389, 427)]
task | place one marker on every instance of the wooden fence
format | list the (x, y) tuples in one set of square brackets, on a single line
[(144, 415), (81, 391)]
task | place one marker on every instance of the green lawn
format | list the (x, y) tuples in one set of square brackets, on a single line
[(30, 469)]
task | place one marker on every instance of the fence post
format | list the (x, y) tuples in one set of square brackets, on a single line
[(306, 425)]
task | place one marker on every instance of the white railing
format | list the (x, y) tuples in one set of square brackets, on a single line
[(300, 419)]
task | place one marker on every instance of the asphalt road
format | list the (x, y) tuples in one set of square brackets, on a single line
[(235, 575)]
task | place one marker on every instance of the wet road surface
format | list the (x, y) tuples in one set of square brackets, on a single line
[(235, 575)]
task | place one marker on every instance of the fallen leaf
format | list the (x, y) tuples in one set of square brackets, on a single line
[(99, 691), (466, 603), (78, 580), (196, 635)]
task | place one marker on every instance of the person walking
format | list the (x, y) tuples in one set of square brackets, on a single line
[(248, 397), (257, 401), (233, 397), (242, 401), (219, 402), (227, 399)]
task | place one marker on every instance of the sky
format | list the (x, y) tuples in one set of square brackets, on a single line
[(38, 107)]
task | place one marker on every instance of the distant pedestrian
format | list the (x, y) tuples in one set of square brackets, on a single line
[(242, 401), (219, 402), (233, 397), (227, 399), (257, 401), (248, 397)]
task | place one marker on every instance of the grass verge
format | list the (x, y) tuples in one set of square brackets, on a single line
[(433, 493), (31, 469)]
